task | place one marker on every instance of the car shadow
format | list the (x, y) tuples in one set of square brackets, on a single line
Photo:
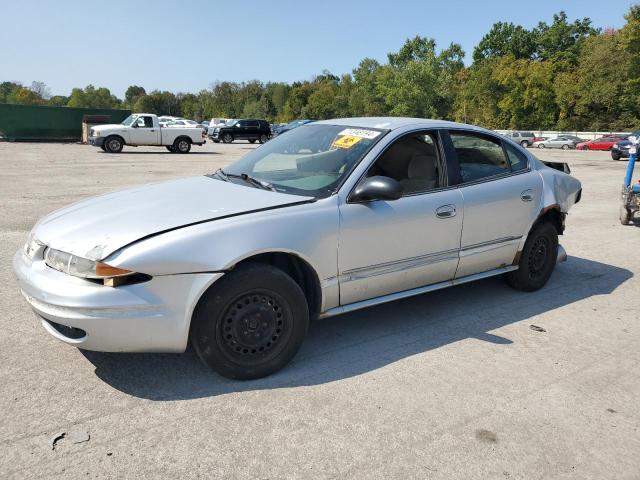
[(352, 344)]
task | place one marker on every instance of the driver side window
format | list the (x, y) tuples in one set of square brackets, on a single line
[(412, 160)]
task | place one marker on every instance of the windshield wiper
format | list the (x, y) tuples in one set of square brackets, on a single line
[(247, 178)]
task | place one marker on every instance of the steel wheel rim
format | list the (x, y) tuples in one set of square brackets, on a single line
[(255, 327), (539, 256), (114, 144), (183, 145), (227, 138)]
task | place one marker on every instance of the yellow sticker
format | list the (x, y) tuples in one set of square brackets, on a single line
[(346, 141)]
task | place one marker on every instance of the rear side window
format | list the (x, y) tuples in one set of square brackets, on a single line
[(479, 156), (252, 123), (517, 159)]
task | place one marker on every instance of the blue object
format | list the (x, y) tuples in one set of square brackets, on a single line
[(630, 167)]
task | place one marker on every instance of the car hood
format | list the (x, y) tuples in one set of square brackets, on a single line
[(97, 227), (108, 126)]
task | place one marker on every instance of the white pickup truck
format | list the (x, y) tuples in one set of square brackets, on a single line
[(144, 129)]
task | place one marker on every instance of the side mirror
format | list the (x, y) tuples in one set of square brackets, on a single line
[(377, 188)]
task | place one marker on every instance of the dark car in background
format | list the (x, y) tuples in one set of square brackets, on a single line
[(292, 125), (621, 149), (245, 129)]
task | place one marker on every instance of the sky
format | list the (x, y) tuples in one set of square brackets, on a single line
[(185, 46)]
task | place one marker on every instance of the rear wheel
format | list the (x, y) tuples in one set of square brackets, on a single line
[(537, 260), (263, 138), (227, 138), (182, 145), (542, 145), (113, 144), (524, 144), (252, 140), (250, 323), (565, 147)]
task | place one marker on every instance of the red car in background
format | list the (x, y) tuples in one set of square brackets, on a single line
[(603, 143)]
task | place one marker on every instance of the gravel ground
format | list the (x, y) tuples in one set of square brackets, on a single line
[(452, 384)]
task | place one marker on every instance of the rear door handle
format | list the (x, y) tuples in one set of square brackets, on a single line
[(527, 195), (446, 211)]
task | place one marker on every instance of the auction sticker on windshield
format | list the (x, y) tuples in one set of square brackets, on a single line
[(348, 137), (360, 132), (346, 141)]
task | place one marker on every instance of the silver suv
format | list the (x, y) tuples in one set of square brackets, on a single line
[(523, 138)]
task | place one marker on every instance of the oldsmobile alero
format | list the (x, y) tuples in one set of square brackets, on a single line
[(334, 216)]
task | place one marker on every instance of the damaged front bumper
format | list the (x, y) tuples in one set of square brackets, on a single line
[(153, 316)]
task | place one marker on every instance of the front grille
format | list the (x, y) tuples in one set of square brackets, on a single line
[(69, 332)]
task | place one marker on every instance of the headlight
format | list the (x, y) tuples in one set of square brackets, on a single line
[(81, 267)]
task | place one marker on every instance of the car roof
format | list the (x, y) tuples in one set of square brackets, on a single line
[(392, 123)]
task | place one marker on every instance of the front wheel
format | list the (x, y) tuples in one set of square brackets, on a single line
[(263, 138), (542, 145), (227, 138), (625, 215), (113, 144), (524, 144), (615, 157), (537, 260), (250, 323), (252, 140), (565, 147)]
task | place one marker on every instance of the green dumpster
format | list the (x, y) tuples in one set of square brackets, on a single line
[(39, 123)]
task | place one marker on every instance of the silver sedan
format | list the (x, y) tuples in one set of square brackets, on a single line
[(335, 216), (564, 143)]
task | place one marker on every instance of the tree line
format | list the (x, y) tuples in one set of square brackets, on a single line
[(565, 75)]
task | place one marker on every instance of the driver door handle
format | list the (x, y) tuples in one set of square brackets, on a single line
[(446, 211)]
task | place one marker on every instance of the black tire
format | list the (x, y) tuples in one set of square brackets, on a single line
[(252, 140), (565, 147), (524, 144), (250, 323), (625, 215), (113, 144), (103, 148), (263, 138), (542, 145), (171, 148), (615, 157), (182, 145), (216, 141), (227, 138), (538, 259)]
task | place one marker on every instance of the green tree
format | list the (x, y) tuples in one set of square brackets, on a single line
[(160, 103), (133, 93), (506, 39), (92, 97)]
